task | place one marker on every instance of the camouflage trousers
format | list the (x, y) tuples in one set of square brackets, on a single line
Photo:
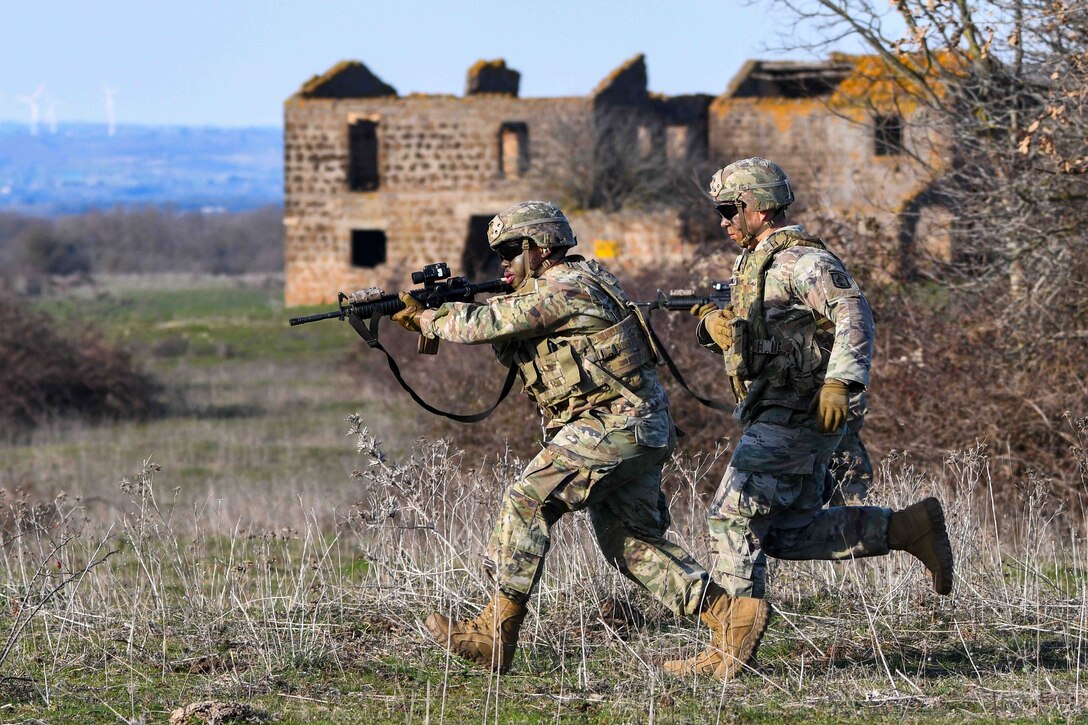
[(849, 472), (615, 474), (770, 501)]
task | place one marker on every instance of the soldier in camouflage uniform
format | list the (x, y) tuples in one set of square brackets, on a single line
[(584, 359), (797, 340)]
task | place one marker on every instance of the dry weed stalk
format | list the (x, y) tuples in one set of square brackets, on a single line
[(244, 608)]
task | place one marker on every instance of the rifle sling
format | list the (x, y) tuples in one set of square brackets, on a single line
[(708, 402), (473, 418), (372, 340), (476, 417)]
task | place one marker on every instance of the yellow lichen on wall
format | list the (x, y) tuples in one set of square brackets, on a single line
[(876, 84), (783, 111)]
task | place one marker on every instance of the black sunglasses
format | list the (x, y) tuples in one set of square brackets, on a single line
[(509, 251), (728, 211)]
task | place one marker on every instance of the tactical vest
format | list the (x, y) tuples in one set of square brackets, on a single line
[(600, 366), (783, 366)]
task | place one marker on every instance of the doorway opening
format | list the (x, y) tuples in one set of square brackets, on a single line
[(478, 261)]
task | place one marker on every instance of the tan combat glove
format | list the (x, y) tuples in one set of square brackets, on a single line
[(408, 318), (718, 324), (832, 405), (702, 311)]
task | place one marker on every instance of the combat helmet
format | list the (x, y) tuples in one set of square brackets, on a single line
[(757, 183), (540, 221)]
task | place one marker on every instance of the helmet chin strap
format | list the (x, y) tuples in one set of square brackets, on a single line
[(533, 271), (748, 236), (527, 272)]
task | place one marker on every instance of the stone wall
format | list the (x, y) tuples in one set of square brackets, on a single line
[(829, 158), (631, 239), (447, 164), (439, 166), (441, 174)]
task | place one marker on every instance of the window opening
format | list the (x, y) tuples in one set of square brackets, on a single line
[(363, 156), (888, 135), (367, 247), (645, 141), (513, 149), (478, 260), (677, 143)]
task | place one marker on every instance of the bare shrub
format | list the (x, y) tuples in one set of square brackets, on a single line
[(1002, 88), (141, 240), (44, 253), (46, 374), (946, 374), (618, 160)]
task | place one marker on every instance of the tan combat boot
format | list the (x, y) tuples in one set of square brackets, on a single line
[(490, 640), (736, 627), (919, 530)]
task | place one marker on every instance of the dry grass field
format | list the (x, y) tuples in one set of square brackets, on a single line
[(276, 539)]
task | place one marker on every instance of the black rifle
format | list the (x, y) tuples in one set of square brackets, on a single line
[(682, 301), (439, 287), (373, 304)]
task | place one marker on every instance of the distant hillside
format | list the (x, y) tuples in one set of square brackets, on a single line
[(190, 168)]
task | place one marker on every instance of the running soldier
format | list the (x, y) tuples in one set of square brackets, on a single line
[(797, 340), (585, 360)]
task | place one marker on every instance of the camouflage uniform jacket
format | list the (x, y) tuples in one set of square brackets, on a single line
[(576, 347), (804, 320)]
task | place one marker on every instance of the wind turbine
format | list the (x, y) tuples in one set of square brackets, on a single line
[(51, 115), (32, 102), (111, 121)]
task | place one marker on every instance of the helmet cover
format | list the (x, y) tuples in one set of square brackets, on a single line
[(757, 183), (540, 221)]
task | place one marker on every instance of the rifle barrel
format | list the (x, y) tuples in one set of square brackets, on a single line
[(390, 304), (494, 285), (314, 318)]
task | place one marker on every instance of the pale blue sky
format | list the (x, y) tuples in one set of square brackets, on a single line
[(233, 62)]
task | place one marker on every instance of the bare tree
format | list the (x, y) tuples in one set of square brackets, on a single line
[(1002, 86), (616, 160)]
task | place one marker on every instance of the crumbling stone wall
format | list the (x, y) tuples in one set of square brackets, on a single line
[(826, 142), (632, 239), (439, 166)]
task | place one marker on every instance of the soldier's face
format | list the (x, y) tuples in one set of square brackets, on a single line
[(732, 221), (738, 219), (518, 263), (525, 266), (513, 271)]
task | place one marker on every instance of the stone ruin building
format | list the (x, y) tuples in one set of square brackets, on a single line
[(378, 184)]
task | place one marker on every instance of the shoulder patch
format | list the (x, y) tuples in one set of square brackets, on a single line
[(841, 280)]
